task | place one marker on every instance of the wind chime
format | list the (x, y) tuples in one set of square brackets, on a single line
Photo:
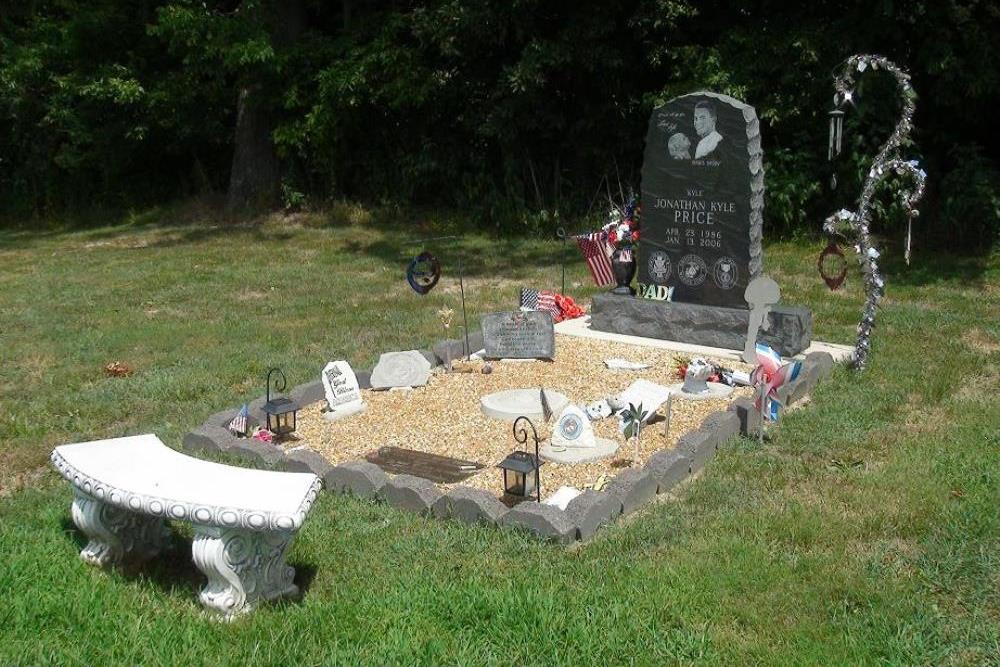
[(886, 163)]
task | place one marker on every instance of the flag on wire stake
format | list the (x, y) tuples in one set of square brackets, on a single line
[(238, 426), (533, 299), (597, 252)]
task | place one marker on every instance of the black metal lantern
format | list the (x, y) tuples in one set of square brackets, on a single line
[(281, 411), (521, 478)]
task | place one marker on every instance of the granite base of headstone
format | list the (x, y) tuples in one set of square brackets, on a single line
[(788, 331)]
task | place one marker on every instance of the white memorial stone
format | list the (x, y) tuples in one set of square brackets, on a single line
[(562, 497), (645, 393), (617, 364), (343, 394), (514, 403), (574, 441), (401, 369)]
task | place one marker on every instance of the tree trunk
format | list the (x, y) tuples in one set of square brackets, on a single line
[(254, 180)]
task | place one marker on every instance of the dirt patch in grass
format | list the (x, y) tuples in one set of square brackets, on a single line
[(980, 341)]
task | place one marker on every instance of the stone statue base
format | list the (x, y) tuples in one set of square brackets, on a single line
[(789, 328)]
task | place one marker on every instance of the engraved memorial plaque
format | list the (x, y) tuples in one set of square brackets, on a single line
[(519, 335), (702, 195)]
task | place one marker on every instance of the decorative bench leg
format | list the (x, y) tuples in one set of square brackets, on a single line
[(116, 534), (242, 566)]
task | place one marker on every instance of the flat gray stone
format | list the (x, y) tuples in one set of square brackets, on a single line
[(748, 415), (256, 451), (700, 446), (789, 331), (413, 494), (514, 403), (669, 468), (470, 505), (401, 369), (592, 509), (306, 460), (358, 478), (545, 521), (725, 425), (633, 488)]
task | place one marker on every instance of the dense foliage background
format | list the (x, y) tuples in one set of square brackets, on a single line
[(510, 109)]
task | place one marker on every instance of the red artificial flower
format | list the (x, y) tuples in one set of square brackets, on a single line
[(635, 235)]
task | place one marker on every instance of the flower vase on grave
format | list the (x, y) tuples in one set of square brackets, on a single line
[(623, 266)]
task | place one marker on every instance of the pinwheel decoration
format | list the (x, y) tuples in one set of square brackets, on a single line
[(770, 374)]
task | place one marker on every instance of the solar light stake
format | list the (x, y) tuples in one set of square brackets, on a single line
[(280, 411), (520, 464), (670, 410), (762, 397)]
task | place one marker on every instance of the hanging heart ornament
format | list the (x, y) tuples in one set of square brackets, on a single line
[(832, 266)]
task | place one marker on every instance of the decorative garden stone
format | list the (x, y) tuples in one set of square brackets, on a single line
[(401, 369), (244, 520)]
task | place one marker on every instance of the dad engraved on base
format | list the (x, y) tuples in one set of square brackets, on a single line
[(703, 200)]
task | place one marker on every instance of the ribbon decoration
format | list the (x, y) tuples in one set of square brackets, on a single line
[(773, 374)]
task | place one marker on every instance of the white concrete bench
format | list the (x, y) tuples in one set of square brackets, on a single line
[(244, 520)]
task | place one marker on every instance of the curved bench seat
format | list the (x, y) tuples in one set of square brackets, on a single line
[(244, 519)]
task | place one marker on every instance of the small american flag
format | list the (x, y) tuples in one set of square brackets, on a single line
[(532, 299), (597, 252), (239, 424)]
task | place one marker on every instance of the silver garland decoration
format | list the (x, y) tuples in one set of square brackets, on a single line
[(886, 164)]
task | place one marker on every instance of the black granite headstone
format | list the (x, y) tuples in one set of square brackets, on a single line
[(702, 195)]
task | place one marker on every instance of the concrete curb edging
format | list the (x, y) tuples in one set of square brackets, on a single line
[(629, 491)]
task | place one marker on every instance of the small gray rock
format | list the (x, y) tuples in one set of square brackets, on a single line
[(410, 493), (358, 478), (546, 521), (470, 505), (633, 488), (725, 425), (306, 460), (669, 468), (592, 509), (449, 350)]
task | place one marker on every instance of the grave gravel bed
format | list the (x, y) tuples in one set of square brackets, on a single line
[(444, 416)]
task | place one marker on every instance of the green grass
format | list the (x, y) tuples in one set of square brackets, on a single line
[(775, 555)]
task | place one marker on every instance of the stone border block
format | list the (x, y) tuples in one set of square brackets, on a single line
[(470, 505), (592, 509), (308, 393), (306, 460), (633, 488), (256, 451), (750, 419), (669, 467), (413, 494), (364, 377), (358, 478), (222, 418), (822, 361), (209, 438), (804, 384), (545, 521), (724, 424), (699, 446)]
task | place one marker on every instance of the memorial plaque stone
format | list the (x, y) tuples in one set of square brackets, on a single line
[(519, 335), (703, 200)]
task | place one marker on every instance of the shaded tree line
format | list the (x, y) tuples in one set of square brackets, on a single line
[(511, 109)]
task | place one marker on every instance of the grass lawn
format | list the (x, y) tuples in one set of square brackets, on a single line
[(867, 530)]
